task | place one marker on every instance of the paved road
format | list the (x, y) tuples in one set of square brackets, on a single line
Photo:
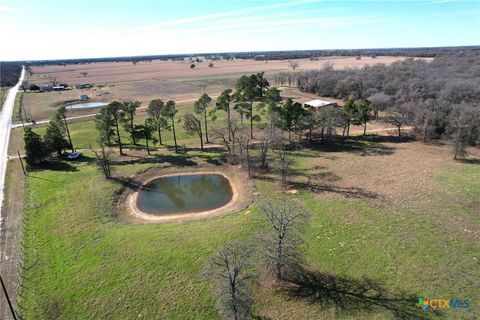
[(5, 126)]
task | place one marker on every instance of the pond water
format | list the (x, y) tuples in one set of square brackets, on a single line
[(184, 194), (87, 105)]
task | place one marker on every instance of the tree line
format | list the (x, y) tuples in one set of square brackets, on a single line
[(440, 99)]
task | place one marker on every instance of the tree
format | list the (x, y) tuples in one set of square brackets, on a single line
[(59, 121), (270, 102), (246, 92), (400, 115), (192, 66), (223, 104), (350, 109), (230, 269), (464, 122), (193, 125), (84, 74), (145, 132), (290, 115), (284, 159), (200, 107), (281, 249), (112, 116), (54, 139), (210, 65), (363, 114), (24, 86), (35, 149), (33, 87), (244, 141), (169, 112), (380, 101), (105, 123), (127, 111), (103, 157), (293, 64), (156, 110)]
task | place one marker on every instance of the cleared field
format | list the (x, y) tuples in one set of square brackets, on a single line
[(81, 263), (115, 72), (161, 79)]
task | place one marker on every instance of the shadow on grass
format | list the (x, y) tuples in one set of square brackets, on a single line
[(361, 145), (469, 161), (53, 166), (350, 296), (177, 160)]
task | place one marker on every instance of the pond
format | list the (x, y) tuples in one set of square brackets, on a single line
[(184, 194), (87, 105)]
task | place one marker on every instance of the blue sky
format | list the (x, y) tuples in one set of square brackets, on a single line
[(54, 29)]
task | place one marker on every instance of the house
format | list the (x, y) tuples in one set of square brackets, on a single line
[(84, 97), (320, 105)]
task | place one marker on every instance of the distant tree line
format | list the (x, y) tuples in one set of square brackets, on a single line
[(270, 55), (9, 74)]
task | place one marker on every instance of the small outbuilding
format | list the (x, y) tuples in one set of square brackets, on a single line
[(320, 105), (83, 86), (84, 97)]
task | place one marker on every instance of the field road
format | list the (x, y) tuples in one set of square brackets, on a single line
[(5, 126)]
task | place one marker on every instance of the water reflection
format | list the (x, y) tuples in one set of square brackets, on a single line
[(184, 193)]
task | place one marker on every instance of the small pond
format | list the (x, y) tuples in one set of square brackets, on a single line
[(87, 105), (184, 194)]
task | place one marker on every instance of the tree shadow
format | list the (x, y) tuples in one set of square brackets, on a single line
[(361, 145), (53, 166), (469, 161), (177, 160), (349, 295)]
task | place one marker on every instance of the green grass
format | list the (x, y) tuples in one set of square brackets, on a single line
[(82, 264)]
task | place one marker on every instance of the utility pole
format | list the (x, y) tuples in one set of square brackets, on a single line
[(21, 162), (14, 315)]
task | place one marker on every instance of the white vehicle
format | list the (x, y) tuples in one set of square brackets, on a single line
[(73, 156)]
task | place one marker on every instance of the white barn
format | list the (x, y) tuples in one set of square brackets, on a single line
[(320, 105)]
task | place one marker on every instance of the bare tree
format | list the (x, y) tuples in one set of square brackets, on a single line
[(285, 159), (243, 141), (84, 74), (193, 125), (103, 157), (282, 242), (229, 268), (400, 115), (24, 86), (293, 64), (226, 135), (464, 122), (264, 146)]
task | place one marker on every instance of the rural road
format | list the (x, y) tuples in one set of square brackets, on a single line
[(5, 126)]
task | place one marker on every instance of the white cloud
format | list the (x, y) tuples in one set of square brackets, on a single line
[(7, 9)]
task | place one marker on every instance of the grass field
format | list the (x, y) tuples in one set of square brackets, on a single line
[(81, 263)]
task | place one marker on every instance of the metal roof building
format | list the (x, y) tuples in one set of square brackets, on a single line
[(319, 104)]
